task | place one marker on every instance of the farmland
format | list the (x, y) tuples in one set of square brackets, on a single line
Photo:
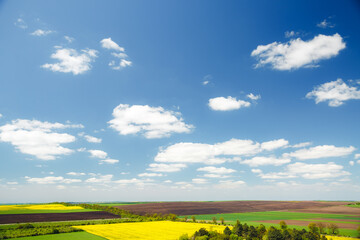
[(64, 236), (163, 230), (123, 224)]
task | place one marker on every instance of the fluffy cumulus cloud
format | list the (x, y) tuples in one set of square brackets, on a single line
[(92, 139), (188, 152), (98, 153), (307, 171), (298, 53), (227, 104), (323, 151), (40, 32), (100, 179), (37, 138), (261, 161), (51, 180), (71, 61), (274, 144), (335, 93), (150, 175), (119, 53), (76, 173), (152, 122), (110, 44), (161, 167), (216, 172)]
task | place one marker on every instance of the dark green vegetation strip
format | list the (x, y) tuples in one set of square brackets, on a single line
[(65, 236), (273, 215)]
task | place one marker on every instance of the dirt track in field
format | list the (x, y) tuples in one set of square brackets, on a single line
[(51, 217), (193, 208), (306, 223)]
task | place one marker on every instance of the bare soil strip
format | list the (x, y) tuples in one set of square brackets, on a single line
[(193, 208), (306, 223), (330, 209), (50, 217)]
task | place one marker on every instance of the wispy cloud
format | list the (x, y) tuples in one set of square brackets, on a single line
[(40, 32)]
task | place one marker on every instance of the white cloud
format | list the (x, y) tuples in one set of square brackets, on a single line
[(161, 167), (206, 153), (98, 153), (274, 144), (51, 180), (76, 173), (256, 170), (253, 97), (150, 175), (122, 64), (199, 180), (92, 139), (206, 79), (1, 115), (298, 53), (69, 39), (40, 32), (38, 138), (351, 163), (325, 24), (307, 171), (229, 184), (358, 161), (213, 175), (110, 44), (215, 170), (227, 104), (335, 93), (290, 34), (323, 151), (71, 61), (12, 183), (261, 161), (301, 145), (108, 161), (119, 55), (20, 23), (101, 179), (152, 122), (357, 155)]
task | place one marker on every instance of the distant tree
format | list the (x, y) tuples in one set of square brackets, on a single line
[(286, 234), (222, 220), (184, 237), (321, 227), (313, 228), (214, 220), (261, 231), (245, 228), (358, 229), (296, 234), (283, 225), (333, 228), (227, 231), (193, 218), (274, 234), (238, 228), (185, 218)]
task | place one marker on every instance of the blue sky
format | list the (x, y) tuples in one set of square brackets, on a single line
[(179, 100)]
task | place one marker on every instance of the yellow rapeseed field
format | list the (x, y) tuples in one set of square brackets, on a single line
[(160, 230), (340, 238), (38, 207)]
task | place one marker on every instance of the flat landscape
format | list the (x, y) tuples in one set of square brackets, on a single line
[(191, 208)]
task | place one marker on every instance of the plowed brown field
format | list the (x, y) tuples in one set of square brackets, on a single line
[(306, 223), (193, 208), (49, 217)]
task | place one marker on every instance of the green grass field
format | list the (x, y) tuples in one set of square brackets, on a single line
[(41, 208), (64, 236), (273, 215), (251, 217)]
